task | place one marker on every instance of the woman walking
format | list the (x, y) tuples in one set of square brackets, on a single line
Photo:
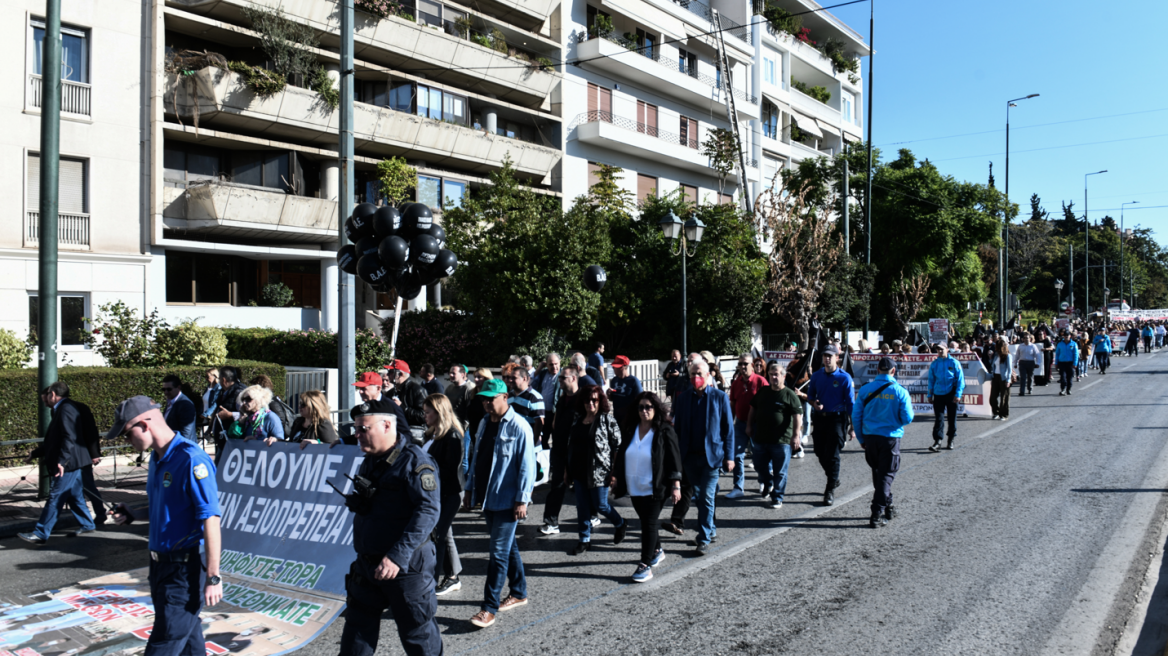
[(444, 444), (314, 425), (594, 438), (1002, 368), (648, 469)]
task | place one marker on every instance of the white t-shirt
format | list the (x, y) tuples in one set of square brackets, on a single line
[(1030, 352), (639, 464)]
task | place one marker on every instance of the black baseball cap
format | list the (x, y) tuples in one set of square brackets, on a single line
[(135, 406), (885, 364)]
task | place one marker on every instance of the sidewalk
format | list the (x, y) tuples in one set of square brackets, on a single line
[(119, 479)]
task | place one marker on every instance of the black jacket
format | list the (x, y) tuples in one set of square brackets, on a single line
[(229, 398), (412, 396), (72, 439), (666, 461), (447, 453), (302, 430)]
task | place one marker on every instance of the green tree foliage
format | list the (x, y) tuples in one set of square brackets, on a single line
[(14, 351), (122, 338), (397, 179), (276, 294), (190, 343)]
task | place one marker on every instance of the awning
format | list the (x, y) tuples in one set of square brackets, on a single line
[(807, 124), (851, 138), (782, 105), (827, 127), (650, 16)]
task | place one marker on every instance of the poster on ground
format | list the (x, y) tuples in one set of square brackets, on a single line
[(287, 545)]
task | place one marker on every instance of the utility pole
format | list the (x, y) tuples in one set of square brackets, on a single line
[(347, 315), (47, 237), (868, 194), (847, 223)]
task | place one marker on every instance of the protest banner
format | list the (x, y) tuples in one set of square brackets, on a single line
[(1138, 315), (938, 331), (912, 372), (1118, 339), (287, 546)]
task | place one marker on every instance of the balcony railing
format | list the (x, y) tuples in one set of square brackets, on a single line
[(651, 54), (700, 8), (74, 95), (494, 40), (72, 229), (630, 124)]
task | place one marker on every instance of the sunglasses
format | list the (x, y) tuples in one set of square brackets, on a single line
[(645, 406), (245, 399), (593, 399), (166, 388)]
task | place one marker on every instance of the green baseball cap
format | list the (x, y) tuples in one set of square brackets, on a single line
[(492, 387)]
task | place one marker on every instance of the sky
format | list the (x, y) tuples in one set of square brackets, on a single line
[(948, 67)]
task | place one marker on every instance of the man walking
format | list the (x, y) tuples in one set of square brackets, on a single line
[(596, 360), (1029, 354), (430, 382), (561, 431), (623, 388), (774, 425), (458, 391), (547, 382), (745, 384), (369, 388), (883, 408), (524, 400), (674, 374), (946, 385), (1066, 355), (705, 434), (830, 394), (501, 477), (180, 411), (408, 394)]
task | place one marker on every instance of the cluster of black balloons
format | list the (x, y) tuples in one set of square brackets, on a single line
[(396, 248)]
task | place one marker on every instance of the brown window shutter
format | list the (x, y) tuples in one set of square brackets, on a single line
[(651, 118), (646, 186), (693, 133), (593, 97), (640, 116), (690, 193), (606, 102), (593, 174)]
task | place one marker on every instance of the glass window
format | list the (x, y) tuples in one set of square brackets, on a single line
[(201, 166), (452, 192), (768, 71), (424, 101), (846, 107), (430, 12), (71, 313), (454, 108), (770, 119), (174, 164), (512, 130), (179, 266), (74, 52), (401, 97), (212, 279), (247, 168), (428, 191), (436, 104), (276, 171)]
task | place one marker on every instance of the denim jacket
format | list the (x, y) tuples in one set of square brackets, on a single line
[(512, 463), (1002, 365)]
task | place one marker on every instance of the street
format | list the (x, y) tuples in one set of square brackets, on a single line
[(1031, 537)]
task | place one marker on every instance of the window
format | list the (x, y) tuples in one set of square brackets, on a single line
[(689, 132), (593, 173), (726, 199), (599, 103), (689, 193), (592, 13), (301, 276), (429, 13), (646, 118), (647, 43), (260, 169), (687, 62), (770, 119), (71, 312), (770, 168), (74, 52), (453, 191), (646, 186), (429, 191), (768, 71), (441, 105), (372, 93), (847, 101), (71, 185), (211, 279), (182, 163), (401, 97)]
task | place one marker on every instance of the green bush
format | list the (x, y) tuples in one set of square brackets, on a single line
[(190, 343), (440, 337), (14, 351), (102, 388), (304, 348), (276, 294), (122, 338)]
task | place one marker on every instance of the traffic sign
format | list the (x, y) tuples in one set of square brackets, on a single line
[(1064, 305)]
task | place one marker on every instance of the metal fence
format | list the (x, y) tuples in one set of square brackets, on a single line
[(630, 124), (297, 382)]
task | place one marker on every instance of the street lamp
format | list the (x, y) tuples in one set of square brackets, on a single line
[(672, 228), (1004, 250), (1087, 245), (1122, 236)]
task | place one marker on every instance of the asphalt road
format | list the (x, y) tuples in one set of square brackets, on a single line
[(1032, 537)]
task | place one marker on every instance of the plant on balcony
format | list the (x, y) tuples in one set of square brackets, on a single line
[(498, 40), (379, 8), (630, 41), (287, 44), (781, 21), (817, 92), (261, 81), (722, 148), (183, 64), (14, 351), (545, 64), (276, 294), (602, 27), (463, 25), (397, 179), (797, 134), (323, 84), (841, 61)]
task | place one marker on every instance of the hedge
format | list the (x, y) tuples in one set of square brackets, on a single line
[(442, 338), (304, 348), (102, 388)]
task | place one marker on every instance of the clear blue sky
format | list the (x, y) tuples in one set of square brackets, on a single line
[(947, 67)]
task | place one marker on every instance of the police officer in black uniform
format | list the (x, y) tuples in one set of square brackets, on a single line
[(396, 499)]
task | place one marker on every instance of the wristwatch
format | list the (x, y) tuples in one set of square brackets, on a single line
[(214, 580)]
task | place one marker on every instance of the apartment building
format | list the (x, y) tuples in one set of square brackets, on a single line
[(646, 90)]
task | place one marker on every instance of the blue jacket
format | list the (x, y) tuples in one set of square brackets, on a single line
[(1002, 366), (512, 463), (1066, 352), (212, 401), (1147, 331), (1102, 343), (946, 375), (718, 428), (180, 416), (887, 414)]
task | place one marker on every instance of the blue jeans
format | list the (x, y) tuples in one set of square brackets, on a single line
[(740, 440), (591, 500), (705, 482), (504, 563), (65, 488), (780, 456)]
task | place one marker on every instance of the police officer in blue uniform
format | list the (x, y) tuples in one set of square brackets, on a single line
[(396, 501), (184, 517), (882, 409), (830, 394)]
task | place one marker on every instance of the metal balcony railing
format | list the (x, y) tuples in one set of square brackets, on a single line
[(495, 40), (652, 54), (74, 95), (700, 8), (630, 124), (72, 229)]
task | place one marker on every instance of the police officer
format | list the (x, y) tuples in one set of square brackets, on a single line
[(396, 500), (830, 394), (184, 516), (882, 410)]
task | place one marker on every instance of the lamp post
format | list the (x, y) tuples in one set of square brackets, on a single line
[(1058, 289), (1087, 244), (1122, 237), (671, 227), (1004, 250), (1106, 300)]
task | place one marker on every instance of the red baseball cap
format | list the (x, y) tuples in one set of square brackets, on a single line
[(620, 361), (400, 365), (368, 379)]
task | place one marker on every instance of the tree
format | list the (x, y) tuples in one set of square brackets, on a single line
[(721, 147), (907, 299), (397, 179), (1037, 212)]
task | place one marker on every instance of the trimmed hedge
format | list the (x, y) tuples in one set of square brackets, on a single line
[(304, 348), (102, 389), (442, 338)]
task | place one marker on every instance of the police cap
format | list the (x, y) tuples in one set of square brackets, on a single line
[(885, 364), (382, 406)]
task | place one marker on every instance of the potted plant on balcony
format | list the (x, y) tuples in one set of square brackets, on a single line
[(601, 27)]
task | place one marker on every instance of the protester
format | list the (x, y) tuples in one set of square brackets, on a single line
[(475, 410), (673, 374), (743, 386), (211, 394), (369, 387), (394, 567), (1067, 355), (558, 460), (1102, 343), (459, 391), (830, 394), (527, 363), (547, 382), (1002, 369), (1160, 332), (502, 475), (622, 389), (774, 425), (256, 421), (946, 385), (526, 402), (1147, 333), (715, 371), (1028, 355), (184, 532), (229, 396), (180, 412), (314, 425), (647, 468), (444, 444), (705, 432), (594, 438), (596, 360), (407, 393), (430, 383), (883, 408)]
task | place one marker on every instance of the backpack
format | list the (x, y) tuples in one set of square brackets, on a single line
[(284, 413)]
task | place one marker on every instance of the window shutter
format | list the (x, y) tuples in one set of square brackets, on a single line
[(646, 186), (606, 102), (640, 116), (593, 97), (34, 183), (70, 186), (651, 118), (693, 133)]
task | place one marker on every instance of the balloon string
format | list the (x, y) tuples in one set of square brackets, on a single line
[(396, 324)]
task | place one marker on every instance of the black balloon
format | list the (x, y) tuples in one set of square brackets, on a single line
[(386, 221), (424, 250), (438, 232), (366, 246), (594, 278), (445, 264), (370, 269), (347, 259), (394, 251), (416, 220), (362, 220), (409, 293)]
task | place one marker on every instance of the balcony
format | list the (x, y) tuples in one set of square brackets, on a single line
[(607, 130), (244, 211), (610, 54), (298, 115), (74, 96), (72, 230), (817, 110), (701, 9), (801, 151)]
